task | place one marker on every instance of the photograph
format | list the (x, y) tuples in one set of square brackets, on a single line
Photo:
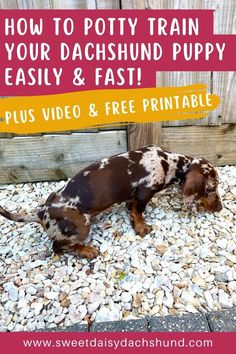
[(126, 227)]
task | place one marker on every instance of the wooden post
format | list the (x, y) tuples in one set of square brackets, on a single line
[(143, 134), (148, 133)]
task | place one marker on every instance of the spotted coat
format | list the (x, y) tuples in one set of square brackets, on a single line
[(132, 177)]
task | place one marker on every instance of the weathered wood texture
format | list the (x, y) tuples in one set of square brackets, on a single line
[(62, 4), (220, 147), (224, 83), (143, 134), (220, 83), (216, 143), (224, 10), (59, 4), (53, 157), (182, 78)]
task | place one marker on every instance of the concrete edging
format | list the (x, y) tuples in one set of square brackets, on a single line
[(215, 321)]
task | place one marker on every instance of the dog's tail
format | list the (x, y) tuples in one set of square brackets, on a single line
[(33, 216)]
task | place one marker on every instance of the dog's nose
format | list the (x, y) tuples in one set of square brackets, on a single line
[(219, 206)]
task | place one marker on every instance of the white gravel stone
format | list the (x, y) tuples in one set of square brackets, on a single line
[(12, 291), (168, 300), (231, 258), (104, 247), (108, 314), (191, 309), (126, 297), (126, 285), (22, 303), (59, 319), (5, 249), (135, 261), (31, 290), (93, 307), (232, 286), (103, 315), (36, 264), (78, 315), (50, 295), (209, 299), (38, 308), (159, 297), (222, 243), (224, 300)]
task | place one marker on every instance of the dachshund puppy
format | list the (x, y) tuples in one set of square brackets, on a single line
[(132, 177)]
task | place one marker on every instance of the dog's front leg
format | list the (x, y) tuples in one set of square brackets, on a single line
[(137, 206), (138, 222)]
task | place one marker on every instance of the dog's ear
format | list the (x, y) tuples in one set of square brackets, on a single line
[(194, 188), (195, 184)]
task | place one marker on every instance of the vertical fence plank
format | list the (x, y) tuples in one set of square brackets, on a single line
[(26, 4), (59, 4), (224, 83), (108, 4), (229, 96), (134, 4), (142, 134), (11, 4)]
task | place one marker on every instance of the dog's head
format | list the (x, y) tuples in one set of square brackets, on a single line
[(201, 185)]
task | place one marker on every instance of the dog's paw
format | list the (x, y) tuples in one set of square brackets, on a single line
[(143, 229), (88, 252)]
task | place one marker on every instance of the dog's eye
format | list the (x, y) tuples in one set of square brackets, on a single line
[(210, 192), (211, 188)]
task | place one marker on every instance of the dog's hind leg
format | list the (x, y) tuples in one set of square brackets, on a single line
[(74, 229), (82, 251)]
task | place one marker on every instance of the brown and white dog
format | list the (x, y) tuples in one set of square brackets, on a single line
[(132, 177)]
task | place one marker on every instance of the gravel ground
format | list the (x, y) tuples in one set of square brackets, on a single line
[(187, 264)]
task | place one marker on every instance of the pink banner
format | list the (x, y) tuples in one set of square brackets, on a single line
[(55, 51), (64, 342)]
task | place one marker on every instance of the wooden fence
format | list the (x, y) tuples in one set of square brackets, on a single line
[(49, 157)]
